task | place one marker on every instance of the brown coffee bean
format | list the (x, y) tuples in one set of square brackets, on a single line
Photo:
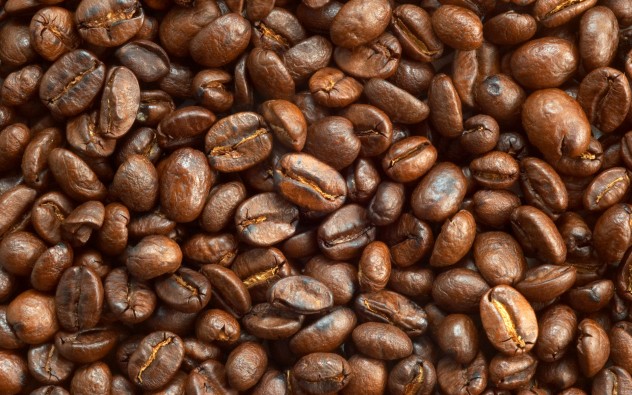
[(593, 347), (245, 365), (325, 334), (185, 181), (413, 27), (153, 256), (439, 193), (459, 290), (455, 239), (53, 32), (382, 341), (555, 59), (156, 360), (72, 82), (321, 373), (598, 36), (499, 258), (345, 232), (221, 41), (108, 24), (400, 105), (238, 142), (409, 159), (458, 27), (74, 176), (538, 235), (300, 294), (359, 22), (509, 321), (266, 219), (32, 316)]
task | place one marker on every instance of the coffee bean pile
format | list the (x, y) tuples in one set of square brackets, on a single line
[(312, 197)]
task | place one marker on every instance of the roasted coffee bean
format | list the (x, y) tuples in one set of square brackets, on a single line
[(510, 28), (376, 59), (136, 183), (345, 232), (546, 282), (238, 142), (156, 360), (555, 59), (368, 376), (412, 374), (153, 256), (108, 24), (185, 290), (86, 346), (400, 105), (47, 365), (538, 235), (72, 82), (301, 294), (455, 239), (19, 252), (53, 32), (245, 365), (439, 193), (321, 373), (598, 36), (409, 159), (607, 189), (359, 22), (512, 372), (593, 347), (185, 181), (391, 307), (147, 60), (32, 315), (509, 320), (453, 377), (412, 26), (74, 176), (458, 27), (14, 140), (266, 219), (228, 288), (217, 326), (79, 299), (499, 258), (204, 248)]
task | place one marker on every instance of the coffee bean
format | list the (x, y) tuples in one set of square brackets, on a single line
[(156, 360), (509, 321)]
